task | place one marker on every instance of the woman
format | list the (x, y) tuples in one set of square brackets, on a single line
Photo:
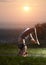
[(21, 42)]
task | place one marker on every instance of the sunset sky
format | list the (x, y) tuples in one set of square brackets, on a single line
[(22, 13)]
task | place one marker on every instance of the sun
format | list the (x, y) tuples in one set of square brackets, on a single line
[(26, 8)]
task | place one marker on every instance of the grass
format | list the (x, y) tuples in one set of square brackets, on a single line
[(37, 56), (37, 52), (16, 60), (13, 50)]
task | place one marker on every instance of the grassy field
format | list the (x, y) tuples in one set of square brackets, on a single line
[(16, 60), (8, 56)]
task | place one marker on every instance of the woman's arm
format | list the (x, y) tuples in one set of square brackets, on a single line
[(32, 39)]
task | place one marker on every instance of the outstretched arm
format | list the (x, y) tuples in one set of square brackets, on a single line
[(36, 36)]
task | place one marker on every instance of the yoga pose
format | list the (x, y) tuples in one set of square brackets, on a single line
[(21, 41)]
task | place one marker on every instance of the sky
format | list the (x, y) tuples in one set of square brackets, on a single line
[(13, 14)]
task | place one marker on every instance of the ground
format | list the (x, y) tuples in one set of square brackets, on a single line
[(8, 56)]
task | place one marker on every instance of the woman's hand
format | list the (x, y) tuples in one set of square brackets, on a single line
[(33, 41)]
